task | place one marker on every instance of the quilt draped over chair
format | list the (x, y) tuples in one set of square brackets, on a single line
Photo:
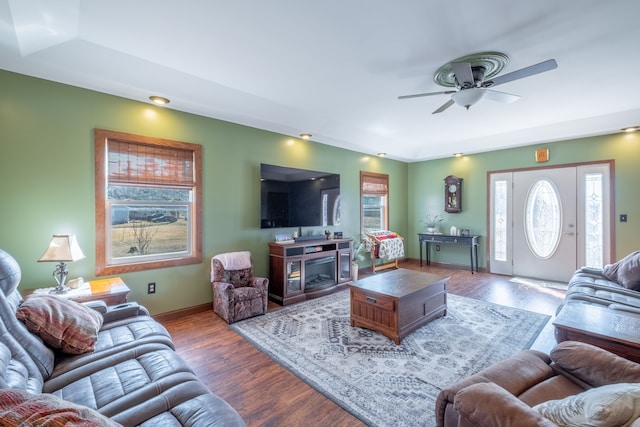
[(384, 244), (237, 294)]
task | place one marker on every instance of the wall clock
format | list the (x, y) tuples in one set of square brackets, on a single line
[(452, 194)]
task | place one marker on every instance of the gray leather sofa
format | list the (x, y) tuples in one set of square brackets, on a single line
[(615, 285), (133, 376)]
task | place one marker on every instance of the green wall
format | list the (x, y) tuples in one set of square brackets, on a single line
[(426, 188), (47, 176)]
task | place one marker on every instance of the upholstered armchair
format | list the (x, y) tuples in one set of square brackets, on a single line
[(237, 294)]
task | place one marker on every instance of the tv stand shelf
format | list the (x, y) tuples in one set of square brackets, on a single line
[(308, 269)]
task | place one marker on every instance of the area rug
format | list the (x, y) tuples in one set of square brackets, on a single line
[(381, 383)]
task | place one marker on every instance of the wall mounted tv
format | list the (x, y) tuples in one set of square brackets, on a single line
[(291, 197)]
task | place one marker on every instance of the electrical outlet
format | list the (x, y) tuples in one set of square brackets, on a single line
[(151, 288), (437, 247), (623, 217)]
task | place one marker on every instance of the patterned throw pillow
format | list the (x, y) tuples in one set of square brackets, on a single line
[(63, 324), (20, 408), (609, 405)]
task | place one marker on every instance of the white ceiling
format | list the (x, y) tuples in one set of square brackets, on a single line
[(334, 68)]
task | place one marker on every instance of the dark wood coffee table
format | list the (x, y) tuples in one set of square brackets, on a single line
[(397, 302), (614, 330)]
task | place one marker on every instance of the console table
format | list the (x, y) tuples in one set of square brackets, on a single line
[(471, 241)]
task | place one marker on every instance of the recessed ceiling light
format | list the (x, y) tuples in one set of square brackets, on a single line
[(457, 154), (158, 100), (382, 154), (631, 129), (305, 135)]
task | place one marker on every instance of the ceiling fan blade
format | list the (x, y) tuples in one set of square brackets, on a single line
[(418, 95), (464, 74), (548, 65), (505, 98), (444, 106)]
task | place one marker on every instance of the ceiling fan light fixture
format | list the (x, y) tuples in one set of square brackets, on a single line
[(468, 97)]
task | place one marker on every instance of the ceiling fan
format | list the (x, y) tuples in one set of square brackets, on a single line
[(471, 77)]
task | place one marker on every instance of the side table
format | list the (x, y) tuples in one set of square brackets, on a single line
[(613, 330), (112, 291)]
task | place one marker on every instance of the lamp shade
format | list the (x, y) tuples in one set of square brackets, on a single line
[(62, 248), (468, 97)]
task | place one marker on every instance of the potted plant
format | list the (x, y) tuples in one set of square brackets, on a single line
[(358, 254), (432, 222)]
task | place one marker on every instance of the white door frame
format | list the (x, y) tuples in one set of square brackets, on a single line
[(606, 167)]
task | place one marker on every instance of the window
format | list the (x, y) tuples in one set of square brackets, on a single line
[(374, 196), (500, 220), (543, 218), (594, 214), (148, 202)]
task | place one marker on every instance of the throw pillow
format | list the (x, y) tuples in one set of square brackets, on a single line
[(625, 272), (609, 405), (20, 408), (63, 324)]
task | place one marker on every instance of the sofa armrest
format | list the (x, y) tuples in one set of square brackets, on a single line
[(111, 313), (593, 365), (515, 374), (260, 283), (223, 290), (122, 311), (591, 270), (98, 305), (487, 404)]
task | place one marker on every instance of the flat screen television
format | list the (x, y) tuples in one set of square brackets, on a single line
[(291, 197)]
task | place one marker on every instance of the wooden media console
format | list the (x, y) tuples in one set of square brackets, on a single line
[(308, 269)]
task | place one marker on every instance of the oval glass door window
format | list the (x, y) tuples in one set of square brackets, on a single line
[(543, 218)]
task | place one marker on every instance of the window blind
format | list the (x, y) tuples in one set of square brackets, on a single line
[(142, 164), (374, 183)]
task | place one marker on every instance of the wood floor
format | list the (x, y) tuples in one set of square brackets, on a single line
[(266, 394)]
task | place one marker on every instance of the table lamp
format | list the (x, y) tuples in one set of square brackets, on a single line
[(62, 249)]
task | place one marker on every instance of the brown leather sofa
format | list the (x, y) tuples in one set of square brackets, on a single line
[(131, 375), (504, 394)]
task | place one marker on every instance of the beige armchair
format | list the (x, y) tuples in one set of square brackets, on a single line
[(237, 294)]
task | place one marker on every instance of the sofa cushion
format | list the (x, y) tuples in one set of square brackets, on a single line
[(610, 405), (63, 324), (20, 408), (593, 365), (626, 271)]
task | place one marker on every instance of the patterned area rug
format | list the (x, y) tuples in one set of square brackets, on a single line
[(381, 383)]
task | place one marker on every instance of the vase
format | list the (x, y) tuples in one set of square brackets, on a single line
[(354, 270), (431, 230)]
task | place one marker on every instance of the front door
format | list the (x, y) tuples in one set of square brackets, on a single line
[(547, 222), (544, 224)]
